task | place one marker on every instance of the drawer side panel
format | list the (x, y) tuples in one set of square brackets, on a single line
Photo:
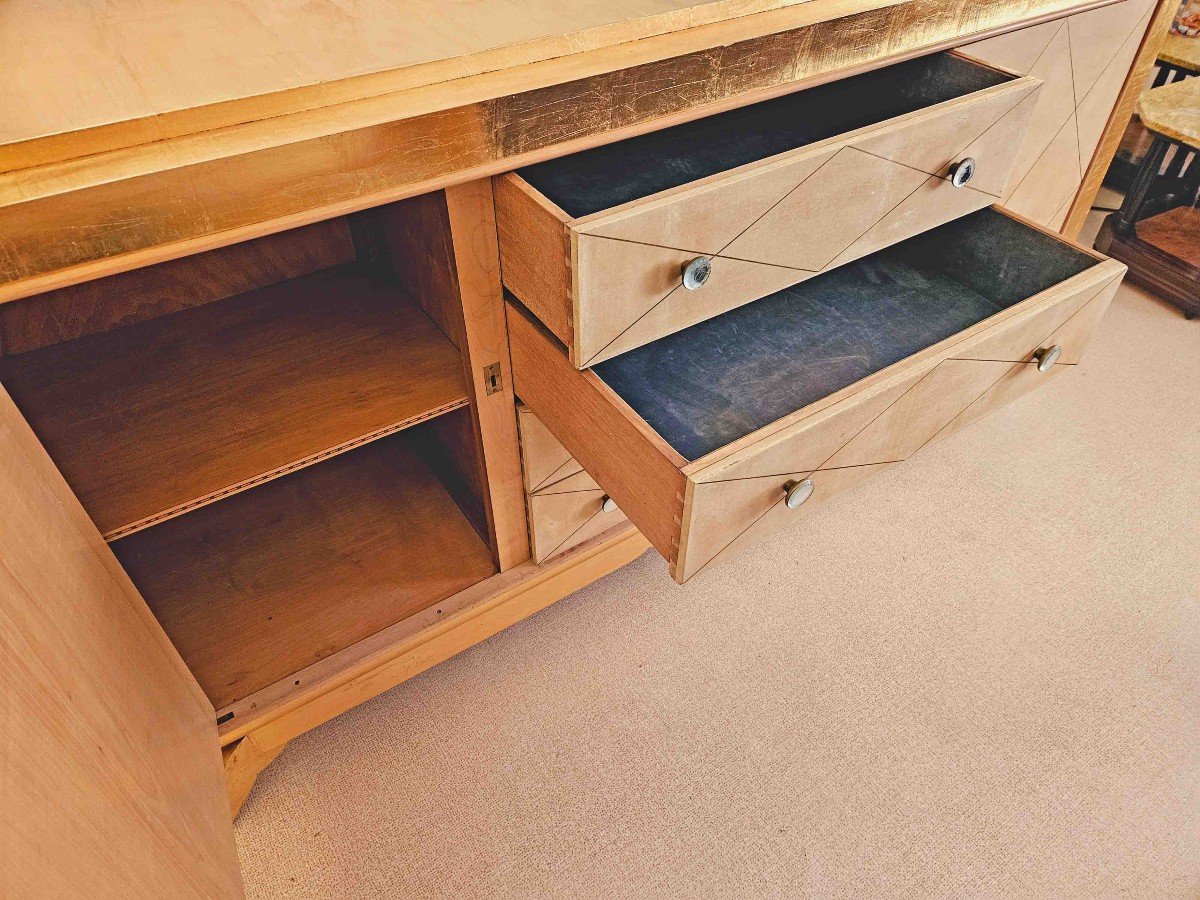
[(633, 464), (535, 254)]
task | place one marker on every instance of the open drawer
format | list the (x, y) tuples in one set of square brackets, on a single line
[(716, 435), (617, 246)]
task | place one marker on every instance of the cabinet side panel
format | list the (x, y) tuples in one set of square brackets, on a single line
[(110, 773)]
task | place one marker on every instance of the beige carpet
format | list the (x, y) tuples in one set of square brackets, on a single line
[(978, 676)]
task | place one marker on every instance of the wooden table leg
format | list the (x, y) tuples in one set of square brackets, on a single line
[(244, 760), (1125, 219)]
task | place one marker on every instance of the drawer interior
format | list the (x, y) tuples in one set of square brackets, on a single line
[(275, 438), (604, 177), (708, 385)]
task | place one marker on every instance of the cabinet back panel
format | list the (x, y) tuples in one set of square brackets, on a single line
[(169, 287)]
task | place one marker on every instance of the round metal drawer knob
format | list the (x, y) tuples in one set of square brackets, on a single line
[(696, 273), (796, 492), (1048, 357), (608, 504), (962, 171)]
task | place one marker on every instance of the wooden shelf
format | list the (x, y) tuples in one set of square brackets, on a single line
[(152, 420), (255, 588)]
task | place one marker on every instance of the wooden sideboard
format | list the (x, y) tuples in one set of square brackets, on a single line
[(275, 282)]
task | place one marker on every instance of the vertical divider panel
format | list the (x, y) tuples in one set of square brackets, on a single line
[(443, 249)]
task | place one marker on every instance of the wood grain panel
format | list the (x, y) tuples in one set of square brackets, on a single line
[(1085, 60), (343, 680), (109, 768), (471, 229), (535, 253), (150, 421), (169, 287), (262, 585), (414, 242), (443, 248)]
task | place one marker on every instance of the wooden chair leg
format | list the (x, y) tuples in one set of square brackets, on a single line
[(244, 759)]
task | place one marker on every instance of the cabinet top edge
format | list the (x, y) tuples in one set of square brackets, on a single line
[(104, 76)]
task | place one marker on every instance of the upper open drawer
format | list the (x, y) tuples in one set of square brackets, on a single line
[(713, 436), (617, 246)]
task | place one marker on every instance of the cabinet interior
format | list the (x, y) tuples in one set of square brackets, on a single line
[(275, 438)]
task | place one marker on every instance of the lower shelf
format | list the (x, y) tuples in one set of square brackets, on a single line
[(258, 586)]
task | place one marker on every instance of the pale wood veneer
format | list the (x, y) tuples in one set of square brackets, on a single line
[(131, 297), (109, 765), (442, 247), (1084, 61)]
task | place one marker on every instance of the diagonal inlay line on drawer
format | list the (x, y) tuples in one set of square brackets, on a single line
[(754, 280), (838, 482), (572, 484), (1060, 315), (892, 147), (904, 174), (875, 408), (929, 198), (787, 193), (916, 412), (694, 252), (567, 469), (575, 532), (928, 142)]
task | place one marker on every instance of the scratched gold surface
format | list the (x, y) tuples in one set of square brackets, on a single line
[(68, 236)]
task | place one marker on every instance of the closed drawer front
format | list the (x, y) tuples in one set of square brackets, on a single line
[(566, 506), (615, 247), (701, 436)]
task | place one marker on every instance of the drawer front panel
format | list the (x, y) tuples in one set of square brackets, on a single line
[(762, 226), (566, 506), (735, 502)]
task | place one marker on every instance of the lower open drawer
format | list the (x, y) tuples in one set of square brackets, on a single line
[(714, 436)]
